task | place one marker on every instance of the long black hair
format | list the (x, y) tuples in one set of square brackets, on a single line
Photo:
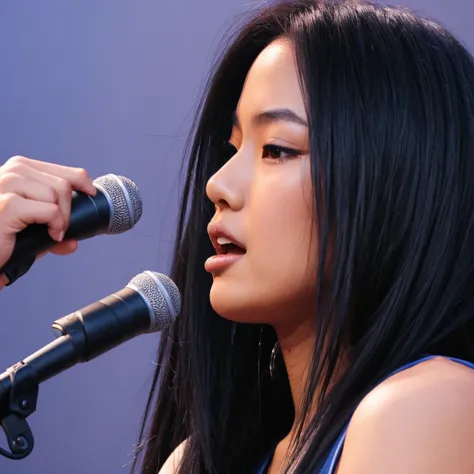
[(390, 102)]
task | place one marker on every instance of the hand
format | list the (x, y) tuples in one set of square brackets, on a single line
[(36, 192)]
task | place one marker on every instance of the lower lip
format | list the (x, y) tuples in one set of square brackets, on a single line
[(218, 263)]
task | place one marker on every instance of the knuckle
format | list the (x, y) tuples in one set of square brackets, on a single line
[(16, 168), (15, 164), (56, 211), (56, 216), (8, 201), (63, 186), (7, 179), (16, 160), (52, 195)]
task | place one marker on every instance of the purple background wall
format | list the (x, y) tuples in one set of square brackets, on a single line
[(110, 86)]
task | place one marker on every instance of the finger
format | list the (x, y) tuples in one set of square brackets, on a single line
[(78, 177), (39, 186), (65, 248), (12, 183), (17, 212), (62, 189), (61, 186)]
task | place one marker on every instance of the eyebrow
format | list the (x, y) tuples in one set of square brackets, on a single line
[(273, 115)]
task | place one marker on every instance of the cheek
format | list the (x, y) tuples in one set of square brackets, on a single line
[(277, 277), (281, 231)]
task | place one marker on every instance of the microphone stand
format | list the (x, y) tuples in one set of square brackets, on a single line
[(20, 383), (18, 398)]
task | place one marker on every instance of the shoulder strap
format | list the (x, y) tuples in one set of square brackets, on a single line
[(335, 454)]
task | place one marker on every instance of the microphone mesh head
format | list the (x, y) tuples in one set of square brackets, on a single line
[(124, 199), (161, 295)]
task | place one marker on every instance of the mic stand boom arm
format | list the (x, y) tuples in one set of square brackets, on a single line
[(81, 336), (19, 392), (18, 397)]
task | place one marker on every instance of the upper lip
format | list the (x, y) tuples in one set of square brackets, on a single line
[(216, 230)]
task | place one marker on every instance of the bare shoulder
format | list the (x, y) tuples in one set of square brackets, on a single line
[(420, 421), (171, 465)]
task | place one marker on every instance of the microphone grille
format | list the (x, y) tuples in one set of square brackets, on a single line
[(161, 295), (124, 199)]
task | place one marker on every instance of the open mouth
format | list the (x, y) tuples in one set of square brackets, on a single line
[(228, 249), (226, 246)]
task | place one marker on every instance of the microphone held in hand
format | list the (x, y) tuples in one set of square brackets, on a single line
[(116, 208), (149, 303)]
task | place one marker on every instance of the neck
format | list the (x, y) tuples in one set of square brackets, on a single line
[(296, 347)]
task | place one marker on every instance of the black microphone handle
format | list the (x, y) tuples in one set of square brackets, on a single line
[(84, 335), (89, 217)]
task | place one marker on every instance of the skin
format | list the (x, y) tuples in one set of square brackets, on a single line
[(36, 192), (266, 204), (420, 421)]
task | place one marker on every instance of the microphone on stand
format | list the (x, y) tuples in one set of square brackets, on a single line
[(149, 303), (116, 208)]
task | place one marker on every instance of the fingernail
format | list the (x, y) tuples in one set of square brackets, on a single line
[(61, 236)]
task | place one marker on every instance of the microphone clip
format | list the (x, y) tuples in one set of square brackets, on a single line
[(16, 403)]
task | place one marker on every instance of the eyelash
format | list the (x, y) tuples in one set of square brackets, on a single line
[(279, 150), (268, 150)]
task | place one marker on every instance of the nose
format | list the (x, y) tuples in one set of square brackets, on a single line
[(225, 187)]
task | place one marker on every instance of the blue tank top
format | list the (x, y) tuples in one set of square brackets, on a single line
[(329, 466)]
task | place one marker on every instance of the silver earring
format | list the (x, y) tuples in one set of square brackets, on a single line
[(275, 350)]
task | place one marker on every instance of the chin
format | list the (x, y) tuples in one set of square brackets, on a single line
[(233, 302), (241, 303)]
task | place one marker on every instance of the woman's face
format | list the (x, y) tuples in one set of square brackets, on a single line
[(263, 199)]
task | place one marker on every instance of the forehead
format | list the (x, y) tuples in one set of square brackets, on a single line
[(272, 82)]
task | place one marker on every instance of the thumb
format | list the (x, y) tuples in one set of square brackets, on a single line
[(65, 248)]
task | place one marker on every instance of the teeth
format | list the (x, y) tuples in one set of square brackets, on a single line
[(223, 241)]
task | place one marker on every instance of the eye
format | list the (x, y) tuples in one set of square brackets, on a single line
[(277, 153)]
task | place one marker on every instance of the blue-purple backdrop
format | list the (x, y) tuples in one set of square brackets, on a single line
[(110, 86)]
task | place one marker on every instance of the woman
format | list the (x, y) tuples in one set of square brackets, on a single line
[(331, 178), (336, 149)]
